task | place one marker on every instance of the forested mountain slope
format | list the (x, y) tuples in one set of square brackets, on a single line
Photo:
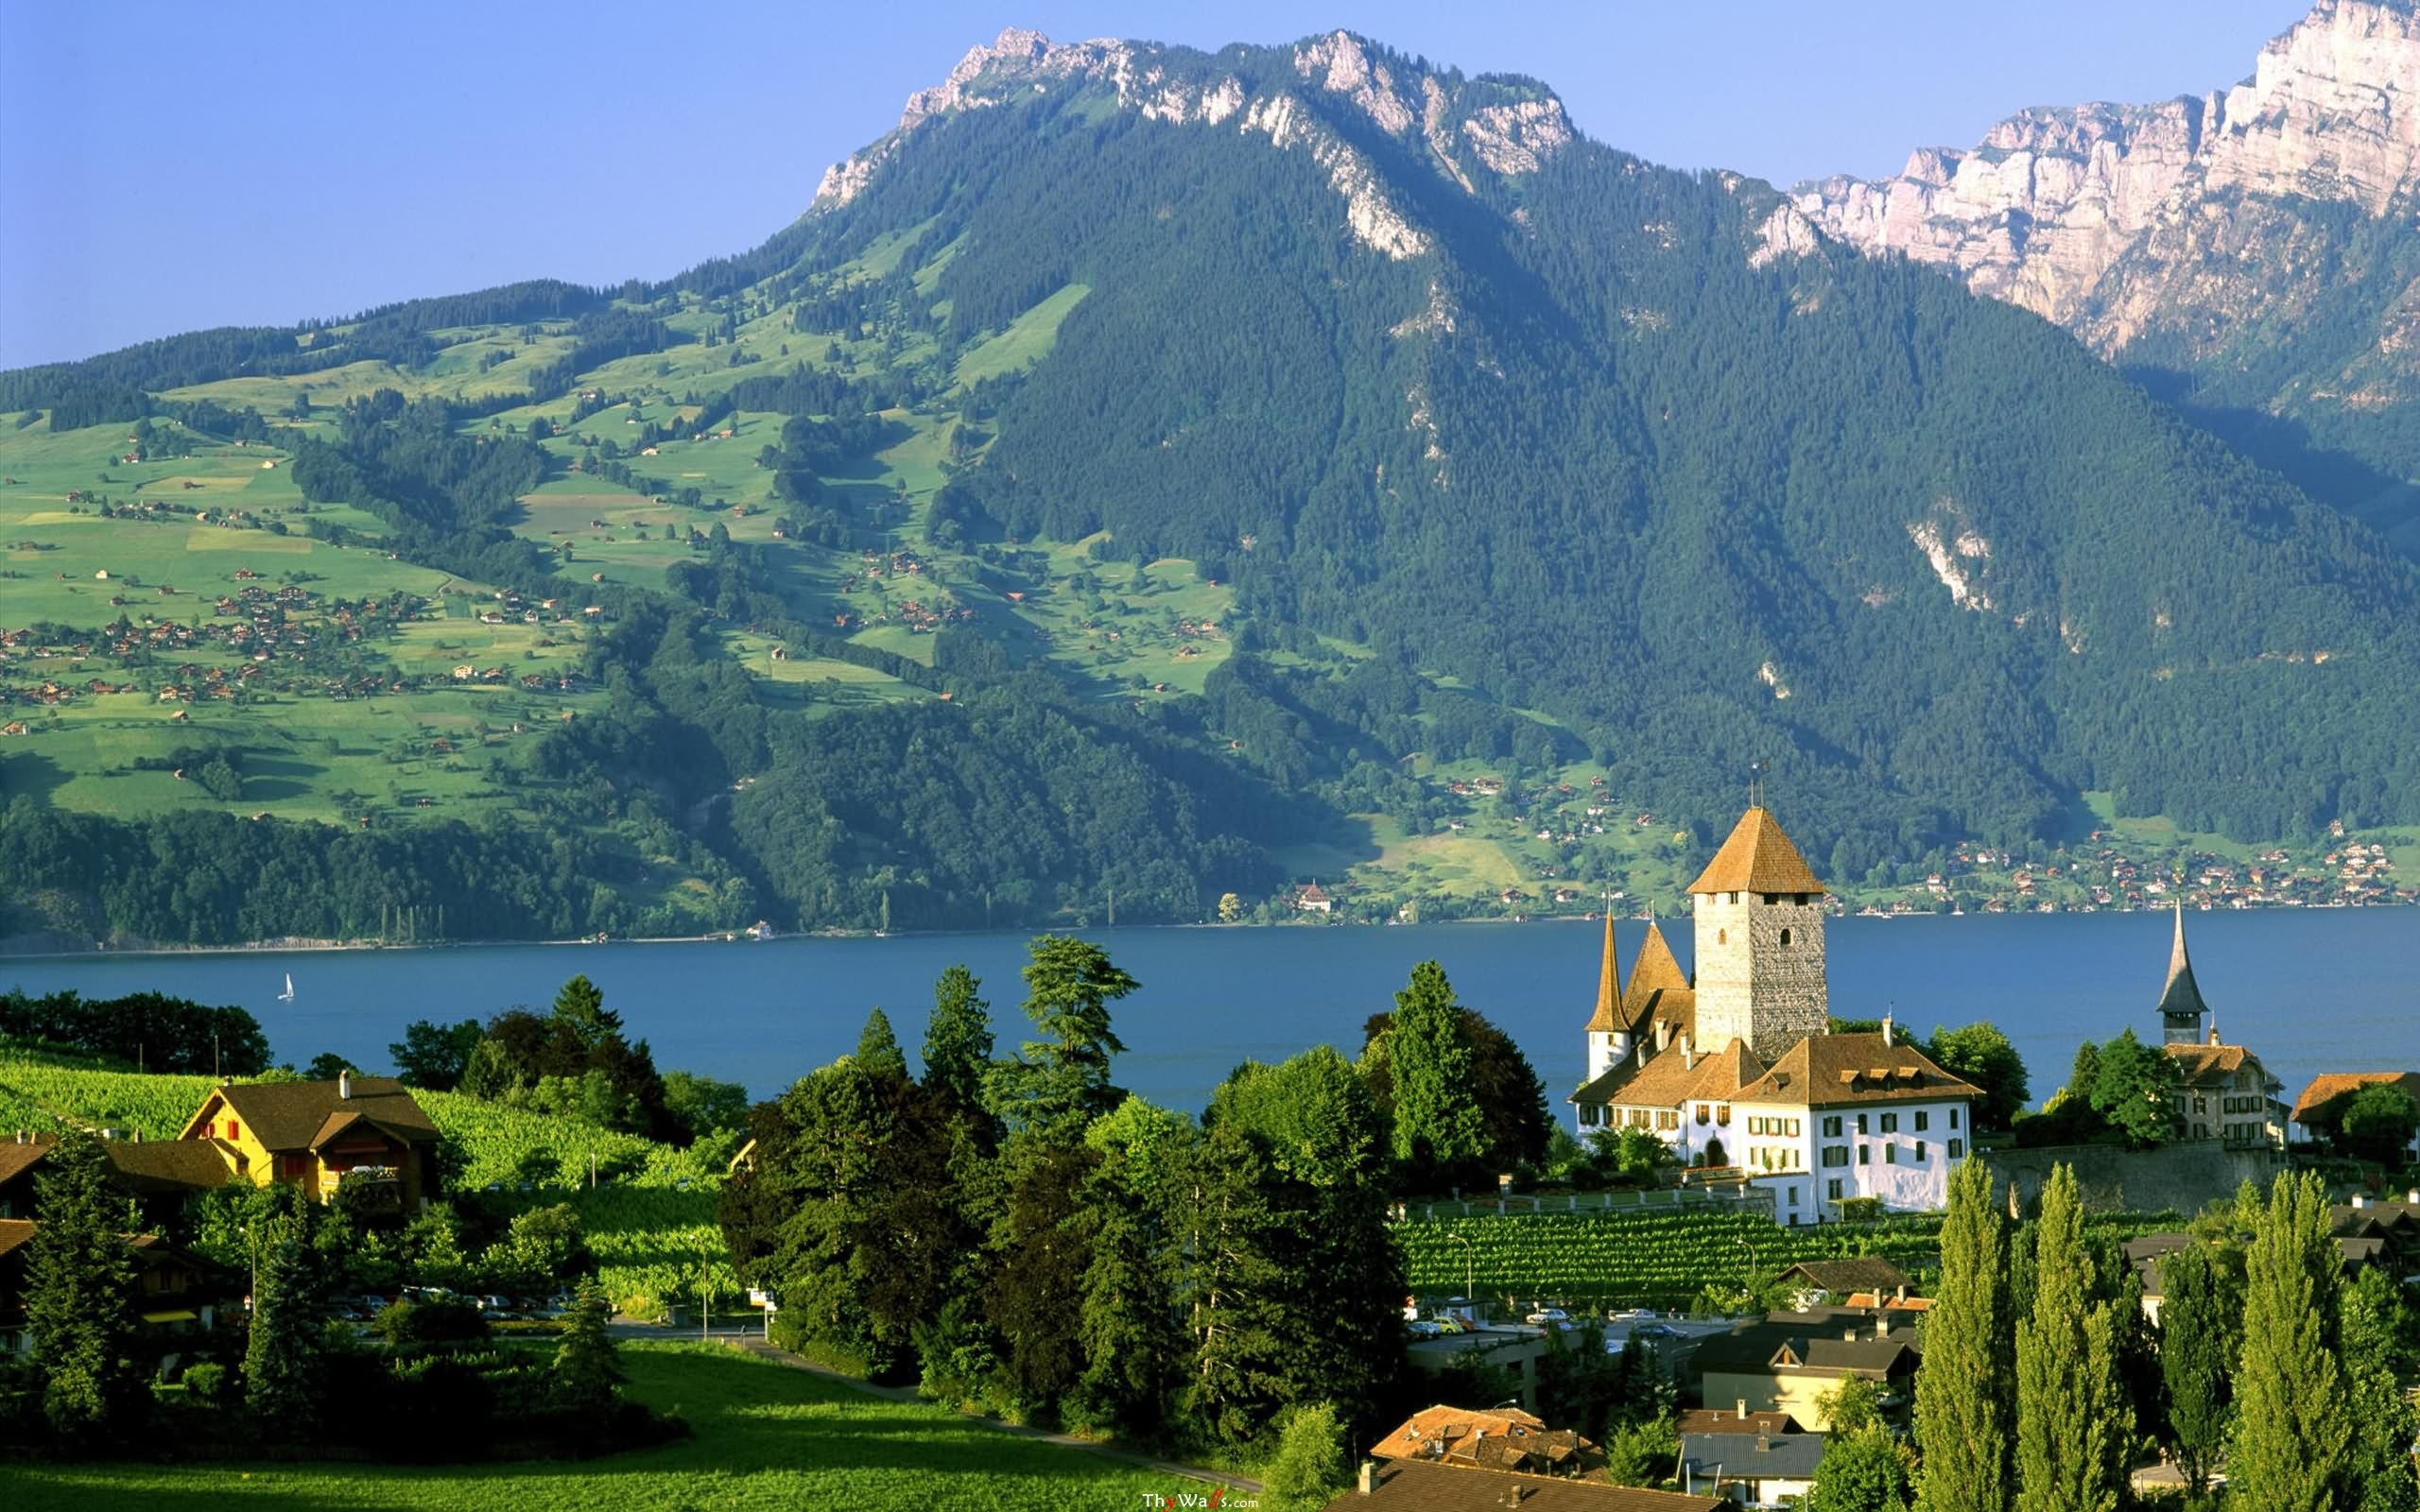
[(1243, 441), (2250, 251)]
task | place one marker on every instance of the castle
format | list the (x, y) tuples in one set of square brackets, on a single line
[(1738, 1066)]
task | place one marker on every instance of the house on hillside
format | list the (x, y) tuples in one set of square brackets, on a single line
[(317, 1133), (1831, 1280), (1314, 899), (157, 1174)]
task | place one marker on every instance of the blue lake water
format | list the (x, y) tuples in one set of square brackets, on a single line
[(2309, 990)]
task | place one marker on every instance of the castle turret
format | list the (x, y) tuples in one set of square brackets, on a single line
[(1609, 1039), (2182, 1011), (1759, 942)]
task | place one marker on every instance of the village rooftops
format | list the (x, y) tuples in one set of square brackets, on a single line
[(1414, 1485), (1758, 858), (16, 1233), (295, 1116), (1675, 1075), (1821, 1341), (140, 1166), (1850, 1069), (2213, 1065), (2328, 1086), (1730, 1421), (1659, 991), (1754, 1456), (1858, 1273), (1506, 1438)]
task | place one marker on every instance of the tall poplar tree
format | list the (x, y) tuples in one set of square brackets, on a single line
[(2073, 1422), (2377, 1353), (79, 1290), (2200, 1333), (2288, 1454), (1438, 1125), (1965, 1394)]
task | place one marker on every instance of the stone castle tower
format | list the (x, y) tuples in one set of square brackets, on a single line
[(1760, 943)]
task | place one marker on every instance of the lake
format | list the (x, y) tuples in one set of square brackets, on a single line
[(2309, 990)]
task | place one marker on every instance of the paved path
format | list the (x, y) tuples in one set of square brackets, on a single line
[(1194, 1473)]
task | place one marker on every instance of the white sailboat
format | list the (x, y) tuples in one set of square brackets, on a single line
[(287, 996)]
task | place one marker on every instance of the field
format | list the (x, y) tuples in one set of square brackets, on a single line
[(766, 1437)]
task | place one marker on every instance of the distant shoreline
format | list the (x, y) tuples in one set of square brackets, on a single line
[(311, 947)]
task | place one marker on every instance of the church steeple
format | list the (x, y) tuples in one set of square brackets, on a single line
[(2181, 1008), (1609, 1037)]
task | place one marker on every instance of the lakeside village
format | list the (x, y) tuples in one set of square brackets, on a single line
[(1768, 1258)]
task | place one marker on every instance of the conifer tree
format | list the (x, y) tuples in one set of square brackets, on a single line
[(958, 1040), (283, 1358), (1234, 1291), (1060, 1083), (2200, 1333), (584, 1374), (1132, 1342), (878, 1052), (1438, 1125), (1965, 1394), (579, 1007), (2073, 1422), (79, 1290), (2288, 1452)]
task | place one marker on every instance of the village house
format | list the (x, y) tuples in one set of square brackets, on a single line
[(1314, 899), (2317, 1119), (313, 1134), (1757, 1459), (174, 1289), (157, 1174), (1419, 1486), (1788, 1362), (1737, 1068)]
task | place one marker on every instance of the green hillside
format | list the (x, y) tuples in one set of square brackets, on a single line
[(1106, 505)]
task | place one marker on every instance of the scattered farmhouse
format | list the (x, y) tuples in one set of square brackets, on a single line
[(317, 1133)]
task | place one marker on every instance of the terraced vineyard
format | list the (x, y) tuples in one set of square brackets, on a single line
[(1661, 1259)]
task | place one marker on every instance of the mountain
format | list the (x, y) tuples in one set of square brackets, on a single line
[(2251, 249), (1146, 473)]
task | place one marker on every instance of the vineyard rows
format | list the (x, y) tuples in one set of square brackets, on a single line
[(1665, 1258)]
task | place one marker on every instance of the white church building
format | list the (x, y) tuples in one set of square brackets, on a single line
[(1738, 1066)]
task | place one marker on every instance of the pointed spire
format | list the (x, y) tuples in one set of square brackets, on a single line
[(1656, 971), (2180, 1008), (1608, 1018)]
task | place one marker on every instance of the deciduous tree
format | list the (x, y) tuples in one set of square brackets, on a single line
[(1438, 1123)]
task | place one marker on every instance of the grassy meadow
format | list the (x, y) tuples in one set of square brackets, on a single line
[(766, 1436)]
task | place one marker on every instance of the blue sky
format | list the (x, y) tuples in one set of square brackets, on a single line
[(172, 167)]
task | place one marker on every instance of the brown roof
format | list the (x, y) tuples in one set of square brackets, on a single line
[(2213, 1065), (1658, 988), (1504, 1438), (140, 1166), (290, 1115), (16, 1157), (1834, 1070), (1857, 1273), (2323, 1089), (1671, 1077), (13, 1232), (1725, 1420), (1758, 858), (1608, 1019), (1413, 1486)]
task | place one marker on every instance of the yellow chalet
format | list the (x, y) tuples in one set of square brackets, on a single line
[(315, 1133)]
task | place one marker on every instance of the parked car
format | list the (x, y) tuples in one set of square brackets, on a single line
[(1655, 1331), (1423, 1328), (1547, 1314), (496, 1306), (1450, 1325), (1633, 1315)]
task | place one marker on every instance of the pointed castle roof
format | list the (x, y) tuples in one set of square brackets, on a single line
[(2182, 997), (1758, 858), (1608, 1019), (1656, 971)]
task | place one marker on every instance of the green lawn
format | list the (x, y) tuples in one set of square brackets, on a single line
[(766, 1437)]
